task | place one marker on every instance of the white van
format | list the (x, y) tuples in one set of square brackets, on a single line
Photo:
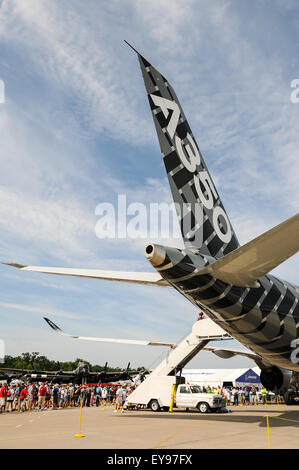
[(191, 396), (155, 393)]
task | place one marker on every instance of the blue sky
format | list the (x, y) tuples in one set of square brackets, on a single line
[(76, 130)]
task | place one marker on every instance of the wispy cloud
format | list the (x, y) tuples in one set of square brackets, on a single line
[(63, 48), (41, 310), (76, 131)]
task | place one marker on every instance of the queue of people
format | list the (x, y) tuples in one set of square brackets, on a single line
[(42, 396), (252, 395)]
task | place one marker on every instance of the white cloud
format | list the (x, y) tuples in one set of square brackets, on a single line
[(57, 223), (41, 310), (57, 157), (66, 51)]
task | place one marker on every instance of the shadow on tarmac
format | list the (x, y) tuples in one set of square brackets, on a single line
[(281, 419)]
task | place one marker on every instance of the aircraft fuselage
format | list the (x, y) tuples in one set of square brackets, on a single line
[(265, 319)]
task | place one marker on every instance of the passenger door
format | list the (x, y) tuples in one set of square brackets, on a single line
[(184, 397)]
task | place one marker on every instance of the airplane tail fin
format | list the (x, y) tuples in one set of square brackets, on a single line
[(203, 221)]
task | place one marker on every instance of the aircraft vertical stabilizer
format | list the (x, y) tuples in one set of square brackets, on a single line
[(203, 220)]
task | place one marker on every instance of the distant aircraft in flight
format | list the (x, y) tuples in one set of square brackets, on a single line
[(228, 282)]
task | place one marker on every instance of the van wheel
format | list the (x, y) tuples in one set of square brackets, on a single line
[(203, 407), (154, 405)]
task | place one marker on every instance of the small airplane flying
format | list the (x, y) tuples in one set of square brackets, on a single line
[(230, 283)]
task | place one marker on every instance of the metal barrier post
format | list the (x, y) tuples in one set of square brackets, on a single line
[(79, 433), (268, 432), (172, 399)]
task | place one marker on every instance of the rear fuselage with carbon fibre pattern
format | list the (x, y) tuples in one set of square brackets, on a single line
[(265, 319)]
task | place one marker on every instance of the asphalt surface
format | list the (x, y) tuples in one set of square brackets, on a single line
[(244, 428)]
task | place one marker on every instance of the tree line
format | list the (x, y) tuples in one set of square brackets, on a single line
[(34, 361)]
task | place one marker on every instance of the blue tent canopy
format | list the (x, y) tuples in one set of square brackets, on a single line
[(249, 377)]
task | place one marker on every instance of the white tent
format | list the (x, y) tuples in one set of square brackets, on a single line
[(220, 377)]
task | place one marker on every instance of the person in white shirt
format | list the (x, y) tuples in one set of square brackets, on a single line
[(124, 397), (104, 395), (10, 398), (119, 399), (61, 397)]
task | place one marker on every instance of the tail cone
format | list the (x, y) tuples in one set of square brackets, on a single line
[(155, 254)]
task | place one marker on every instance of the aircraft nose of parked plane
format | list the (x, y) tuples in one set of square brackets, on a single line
[(156, 254)]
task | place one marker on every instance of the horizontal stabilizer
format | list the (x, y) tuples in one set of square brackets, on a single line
[(243, 266), (107, 340), (152, 279), (228, 353)]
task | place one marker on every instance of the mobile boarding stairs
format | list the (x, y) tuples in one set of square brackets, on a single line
[(158, 384)]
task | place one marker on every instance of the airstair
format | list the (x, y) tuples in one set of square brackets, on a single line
[(158, 383)]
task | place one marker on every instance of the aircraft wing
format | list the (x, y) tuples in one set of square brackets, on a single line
[(152, 279), (107, 340), (243, 266), (228, 353)]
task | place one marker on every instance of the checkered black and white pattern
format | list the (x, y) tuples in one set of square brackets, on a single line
[(264, 319), (199, 218)]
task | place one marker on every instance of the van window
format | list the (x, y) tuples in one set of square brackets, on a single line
[(184, 390), (195, 389)]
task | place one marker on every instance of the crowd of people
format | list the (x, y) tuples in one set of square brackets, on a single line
[(252, 395), (42, 396)]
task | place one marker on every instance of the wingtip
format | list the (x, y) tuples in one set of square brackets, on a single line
[(15, 265), (52, 324)]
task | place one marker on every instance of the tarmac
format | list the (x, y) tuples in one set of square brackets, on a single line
[(244, 428)]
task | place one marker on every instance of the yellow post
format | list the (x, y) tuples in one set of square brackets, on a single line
[(268, 432), (172, 399), (79, 433)]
